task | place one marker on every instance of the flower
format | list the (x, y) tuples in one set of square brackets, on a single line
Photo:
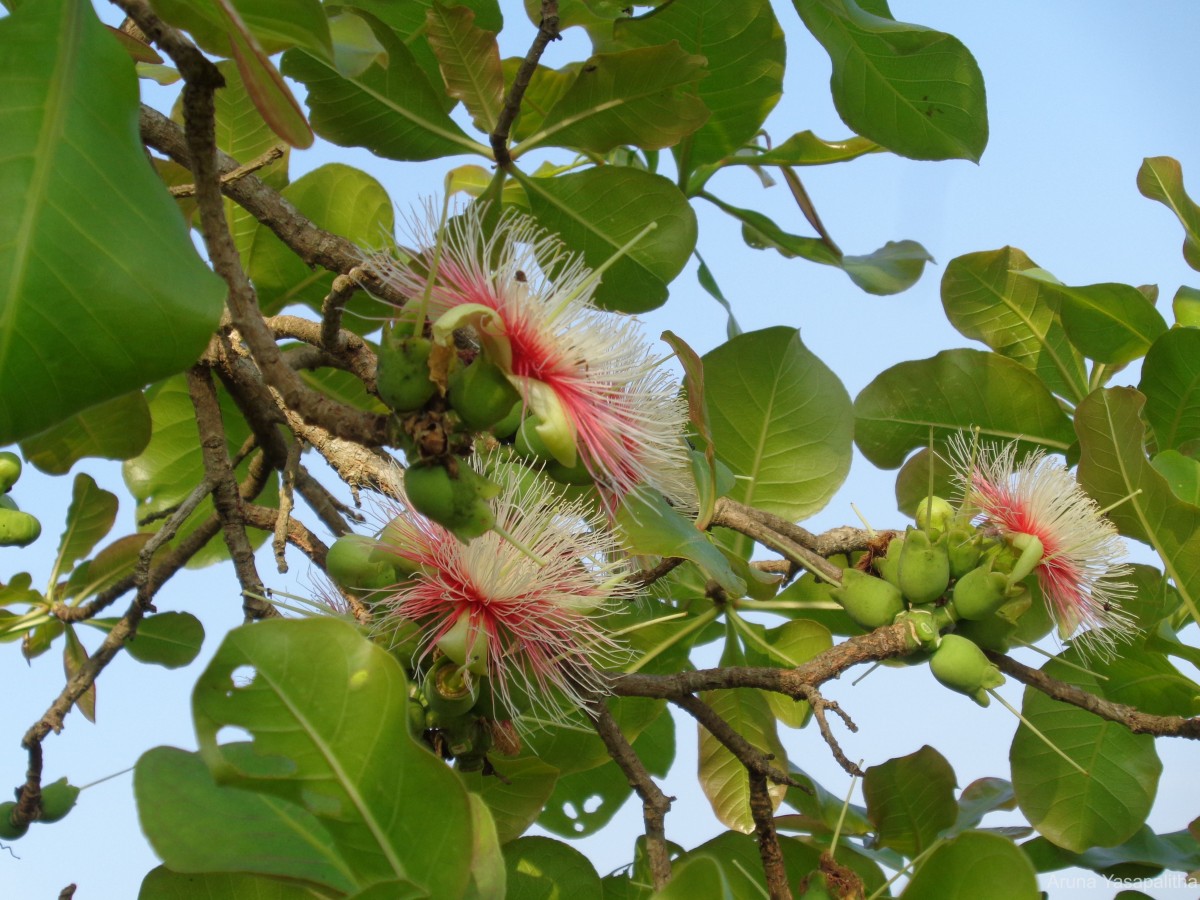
[(588, 374), (525, 609), (1039, 508)]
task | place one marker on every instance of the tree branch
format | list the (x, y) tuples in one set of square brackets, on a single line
[(756, 761), (778, 534), (547, 32), (769, 851)]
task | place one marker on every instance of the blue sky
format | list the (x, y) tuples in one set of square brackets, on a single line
[(1078, 93)]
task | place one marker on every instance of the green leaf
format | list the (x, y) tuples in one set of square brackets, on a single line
[(974, 866), (912, 481), (115, 429), (168, 639), (576, 747), (955, 391), (979, 798), (698, 878), (1114, 470), (392, 110), (162, 884), (781, 420), (584, 802), (1182, 474), (276, 24), (820, 810), (88, 224), (327, 710), (344, 387), (541, 868), (1076, 811), (1110, 323), (1186, 307), (90, 517), (806, 149), (986, 300), (488, 875), (914, 90), (744, 46), (195, 824), (1149, 682), (355, 46), (340, 199), (705, 277), (546, 88), (106, 568), (648, 525), (1161, 178), (470, 62), (789, 645), (1142, 856), (892, 268), (515, 794), (723, 777), (910, 799), (1171, 383), (74, 656), (598, 211), (641, 97)]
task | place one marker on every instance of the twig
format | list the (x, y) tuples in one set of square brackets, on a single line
[(297, 533), (1135, 720), (756, 761), (662, 568), (655, 804), (344, 287), (180, 191), (547, 32), (819, 707), (778, 534), (352, 353), (769, 851), (286, 502), (331, 511)]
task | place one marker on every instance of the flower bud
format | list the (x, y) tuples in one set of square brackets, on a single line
[(58, 799), (964, 546), (961, 666), (402, 373), (869, 601), (481, 394), (992, 632), (17, 529), (359, 564), (9, 831), (980, 593), (10, 470), (888, 565), (934, 512), (457, 502), (924, 568)]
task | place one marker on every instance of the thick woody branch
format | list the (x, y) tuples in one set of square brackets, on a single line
[(655, 804), (777, 534), (769, 851), (547, 32), (352, 353), (756, 761), (1136, 721)]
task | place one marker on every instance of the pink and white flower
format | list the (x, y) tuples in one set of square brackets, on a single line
[(1039, 508), (588, 374), (526, 609)]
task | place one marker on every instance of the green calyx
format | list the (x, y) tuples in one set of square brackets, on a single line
[(58, 799), (869, 601), (458, 501), (361, 565), (10, 470), (8, 830), (964, 547), (961, 666), (530, 444), (402, 373), (980, 592), (924, 572), (508, 426), (449, 690), (888, 565), (481, 394)]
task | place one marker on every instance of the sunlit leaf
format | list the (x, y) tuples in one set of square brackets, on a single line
[(910, 800), (1161, 178), (1182, 474), (974, 866), (167, 639), (914, 90), (276, 24), (470, 62), (87, 229), (162, 883), (90, 517), (515, 793), (1171, 383), (953, 392)]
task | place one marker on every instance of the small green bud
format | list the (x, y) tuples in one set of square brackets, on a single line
[(961, 666), (18, 529), (964, 546), (980, 593), (359, 564), (58, 799), (869, 601), (402, 374), (924, 568), (459, 503), (9, 831), (934, 512), (481, 394), (10, 470)]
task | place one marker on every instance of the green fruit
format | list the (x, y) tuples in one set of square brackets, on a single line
[(18, 529), (992, 632), (924, 568), (360, 564), (7, 502), (58, 799), (869, 601), (961, 666), (402, 375), (10, 469), (9, 831), (447, 691), (964, 546), (458, 503), (888, 565), (934, 512), (482, 395), (980, 593)]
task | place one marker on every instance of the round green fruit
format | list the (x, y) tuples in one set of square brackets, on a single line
[(9, 831), (10, 469), (457, 502), (402, 373), (359, 563), (869, 601), (934, 512), (961, 666), (979, 593), (482, 395), (58, 799), (18, 529)]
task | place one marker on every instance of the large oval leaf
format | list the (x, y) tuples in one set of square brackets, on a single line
[(780, 419), (540, 867), (917, 91), (955, 391), (115, 429), (910, 799), (975, 866), (328, 713), (95, 261), (598, 211), (1171, 383), (1161, 178)]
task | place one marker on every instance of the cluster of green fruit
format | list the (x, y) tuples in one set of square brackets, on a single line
[(17, 529), (957, 586), (442, 487), (57, 800)]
